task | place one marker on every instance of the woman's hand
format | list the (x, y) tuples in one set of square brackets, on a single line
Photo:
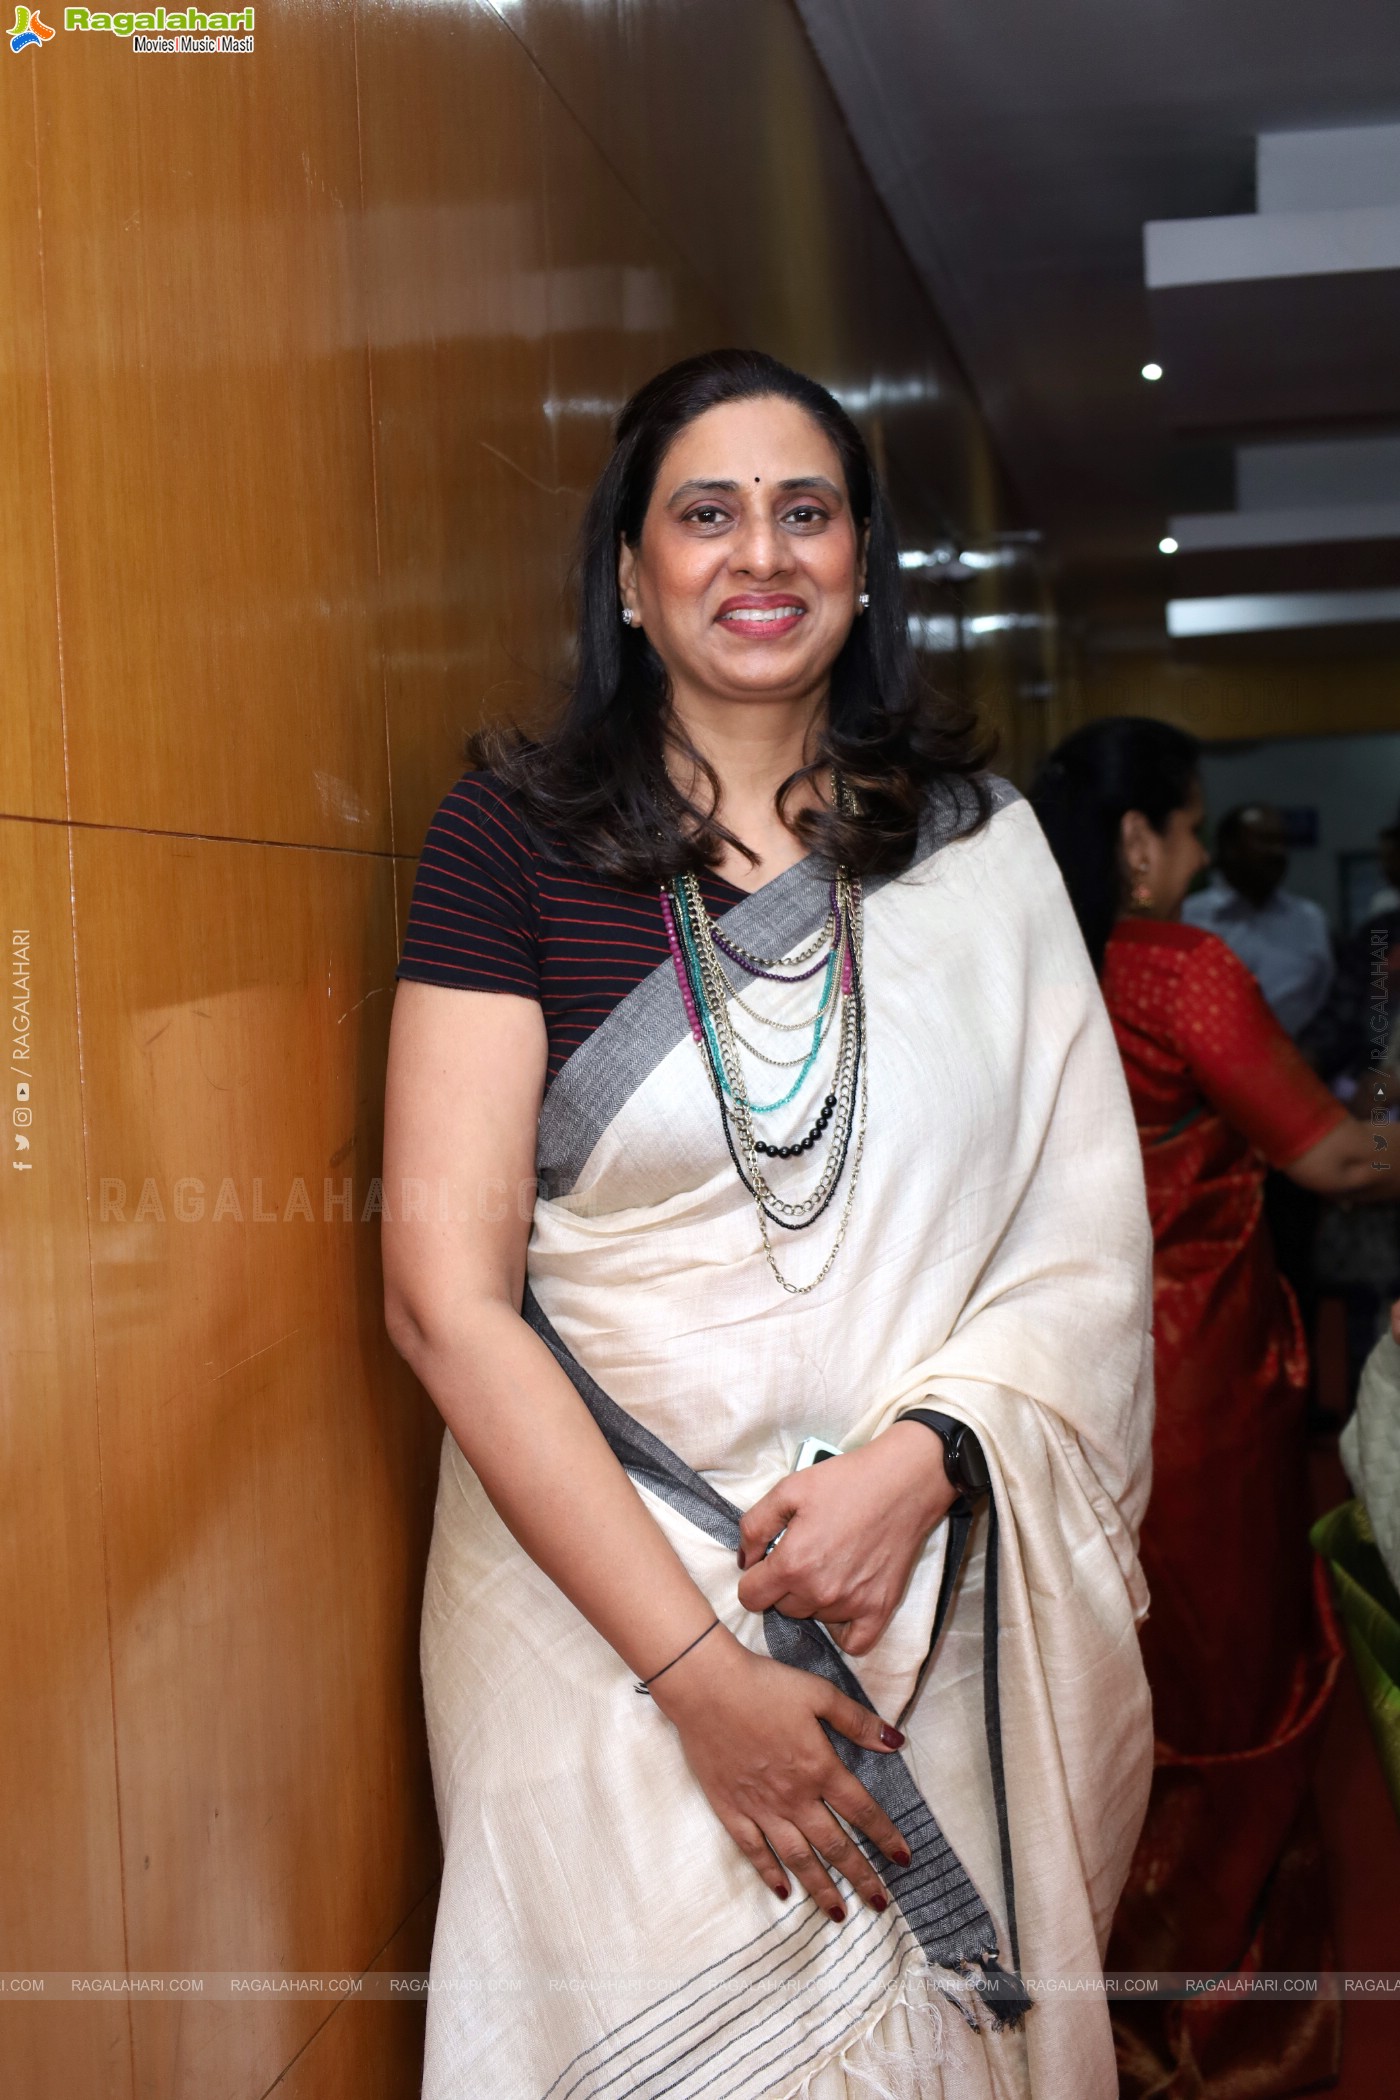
[(1355, 1162), (855, 1527), (751, 1731)]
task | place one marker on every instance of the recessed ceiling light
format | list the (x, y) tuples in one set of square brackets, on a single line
[(1152, 371), (1167, 545)]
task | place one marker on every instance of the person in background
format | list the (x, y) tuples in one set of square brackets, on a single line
[(1283, 939), (1386, 900), (1240, 1643), (1286, 942), (1355, 1044), (1352, 1035)]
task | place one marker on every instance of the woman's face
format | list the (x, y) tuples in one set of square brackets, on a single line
[(1166, 861), (749, 565)]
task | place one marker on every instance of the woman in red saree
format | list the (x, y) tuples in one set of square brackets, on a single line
[(1240, 1643)]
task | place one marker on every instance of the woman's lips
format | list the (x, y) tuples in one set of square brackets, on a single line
[(762, 621)]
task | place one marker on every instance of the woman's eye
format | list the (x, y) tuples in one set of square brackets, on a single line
[(807, 514), (705, 514)]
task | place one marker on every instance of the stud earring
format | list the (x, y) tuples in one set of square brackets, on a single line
[(628, 616), (864, 601), (1142, 893)]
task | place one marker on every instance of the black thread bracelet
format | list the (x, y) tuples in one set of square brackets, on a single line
[(644, 1684)]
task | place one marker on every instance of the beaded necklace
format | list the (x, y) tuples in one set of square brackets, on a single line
[(698, 952)]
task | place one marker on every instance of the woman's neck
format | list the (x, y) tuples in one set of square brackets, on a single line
[(753, 746)]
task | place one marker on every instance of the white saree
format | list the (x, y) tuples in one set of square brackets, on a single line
[(598, 1934)]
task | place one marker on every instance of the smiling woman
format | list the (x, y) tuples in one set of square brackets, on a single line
[(792, 533), (761, 565), (745, 939)]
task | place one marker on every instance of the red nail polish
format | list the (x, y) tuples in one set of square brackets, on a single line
[(783, 1893), (838, 1915), (879, 1903), (904, 1859), (890, 1737)]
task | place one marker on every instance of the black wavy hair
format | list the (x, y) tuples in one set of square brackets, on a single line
[(599, 777), (1084, 790)]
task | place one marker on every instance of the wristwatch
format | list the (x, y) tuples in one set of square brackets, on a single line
[(963, 1457)]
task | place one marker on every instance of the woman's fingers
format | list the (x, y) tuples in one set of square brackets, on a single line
[(769, 1515), (856, 1636), (844, 1791), (840, 1850), (793, 1604), (765, 1587), (805, 1859), (853, 1636), (759, 1747), (856, 1722), (755, 1848), (773, 1584), (860, 1809), (803, 1862)]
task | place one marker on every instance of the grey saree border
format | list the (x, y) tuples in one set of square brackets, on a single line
[(604, 1072), (937, 1898)]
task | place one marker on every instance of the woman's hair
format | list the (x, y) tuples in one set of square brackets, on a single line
[(1085, 789), (599, 776)]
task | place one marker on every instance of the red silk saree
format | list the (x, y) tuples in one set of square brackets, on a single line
[(1240, 1642)]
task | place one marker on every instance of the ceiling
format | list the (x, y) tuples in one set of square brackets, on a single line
[(1022, 146)]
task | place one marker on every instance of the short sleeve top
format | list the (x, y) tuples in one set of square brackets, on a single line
[(491, 913), (1193, 1028)]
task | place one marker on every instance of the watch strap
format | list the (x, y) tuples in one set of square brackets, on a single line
[(954, 1436)]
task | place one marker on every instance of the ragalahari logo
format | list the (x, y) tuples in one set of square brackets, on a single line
[(28, 29)]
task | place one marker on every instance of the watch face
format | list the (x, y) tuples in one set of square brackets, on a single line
[(970, 1462)]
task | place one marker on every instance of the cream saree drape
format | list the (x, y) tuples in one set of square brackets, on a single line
[(598, 1933)]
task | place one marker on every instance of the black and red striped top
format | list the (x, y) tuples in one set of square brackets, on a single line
[(490, 913)]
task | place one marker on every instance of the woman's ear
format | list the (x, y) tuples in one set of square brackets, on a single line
[(1140, 859), (1134, 833), (627, 576)]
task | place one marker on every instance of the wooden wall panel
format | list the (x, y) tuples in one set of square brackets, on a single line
[(268, 1479), (210, 398), (719, 120), (306, 381), (31, 726), (60, 1892), (1288, 696), (374, 2048), (458, 300), (617, 314)]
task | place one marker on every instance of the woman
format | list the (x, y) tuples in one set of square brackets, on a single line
[(770, 1006), (1240, 1645)]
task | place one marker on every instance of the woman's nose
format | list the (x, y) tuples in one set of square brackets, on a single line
[(759, 548)]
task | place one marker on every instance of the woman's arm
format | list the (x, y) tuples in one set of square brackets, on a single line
[(466, 1072), (1350, 1163), (1251, 1071), (465, 1082)]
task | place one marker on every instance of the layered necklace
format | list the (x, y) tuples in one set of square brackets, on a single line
[(700, 951)]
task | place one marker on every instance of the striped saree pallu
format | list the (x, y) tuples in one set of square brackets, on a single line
[(598, 1932)]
